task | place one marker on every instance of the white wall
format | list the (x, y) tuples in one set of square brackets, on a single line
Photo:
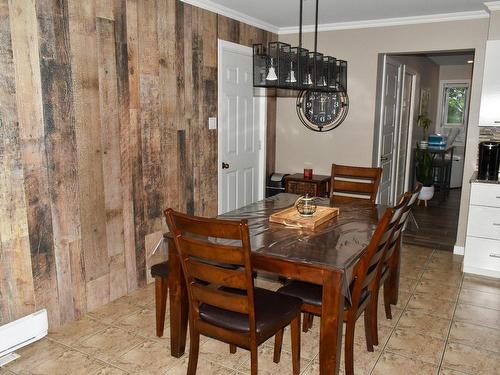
[(352, 142)]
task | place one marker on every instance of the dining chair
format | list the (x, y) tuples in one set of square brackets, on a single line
[(391, 270), (159, 272), (223, 302), (353, 183), (362, 286)]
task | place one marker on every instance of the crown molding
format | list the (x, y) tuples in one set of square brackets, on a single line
[(400, 21), (492, 5), (231, 13)]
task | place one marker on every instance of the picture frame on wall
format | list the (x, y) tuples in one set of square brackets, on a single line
[(425, 97)]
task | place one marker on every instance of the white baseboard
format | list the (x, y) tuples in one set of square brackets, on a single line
[(458, 250), (481, 271)]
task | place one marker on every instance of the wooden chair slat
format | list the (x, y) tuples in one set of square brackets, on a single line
[(216, 275), (219, 298), (205, 227), (342, 186), (211, 251)]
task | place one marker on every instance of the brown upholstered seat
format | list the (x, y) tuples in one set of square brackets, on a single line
[(311, 293), (159, 270), (272, 311)]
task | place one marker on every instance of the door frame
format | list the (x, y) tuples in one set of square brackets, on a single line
[(260, 114), (411, 125)]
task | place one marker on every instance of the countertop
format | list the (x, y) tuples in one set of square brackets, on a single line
[(475, 180)]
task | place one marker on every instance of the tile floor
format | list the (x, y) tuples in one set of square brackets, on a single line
[(446, 323)]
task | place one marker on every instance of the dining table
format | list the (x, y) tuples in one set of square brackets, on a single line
[(324, 256)]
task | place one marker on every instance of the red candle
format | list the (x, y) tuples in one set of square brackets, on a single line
[(308, 173)]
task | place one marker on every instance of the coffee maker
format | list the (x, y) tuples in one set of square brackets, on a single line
[(489, 160)]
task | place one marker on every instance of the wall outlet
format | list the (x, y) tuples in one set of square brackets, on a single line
[(212, 123)]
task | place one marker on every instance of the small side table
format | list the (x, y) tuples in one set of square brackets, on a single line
[(317, 186)]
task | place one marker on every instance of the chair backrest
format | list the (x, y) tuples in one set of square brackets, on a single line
[(367, 269), (213, 266), (360, 182)]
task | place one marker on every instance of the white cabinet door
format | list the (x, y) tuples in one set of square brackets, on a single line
[(489, 114)]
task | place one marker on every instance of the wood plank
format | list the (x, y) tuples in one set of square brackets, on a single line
[(120, 15), (105, 9), (23, 26), (84, 68), (111, 158), (228, 29), (16, 284), (60, 143), (135, 140)]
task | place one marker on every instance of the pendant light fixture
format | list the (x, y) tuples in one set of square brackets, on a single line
[(281, 66)]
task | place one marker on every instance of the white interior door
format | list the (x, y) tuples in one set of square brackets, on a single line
[(240, 130), (402, 143), (388, 127)]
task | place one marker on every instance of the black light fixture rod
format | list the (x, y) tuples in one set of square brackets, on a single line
[(300, 24), (316, 29)]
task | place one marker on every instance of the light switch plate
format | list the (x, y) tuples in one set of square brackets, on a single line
[(212, 123)]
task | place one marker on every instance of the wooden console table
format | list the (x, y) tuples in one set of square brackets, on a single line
[(317, 186)]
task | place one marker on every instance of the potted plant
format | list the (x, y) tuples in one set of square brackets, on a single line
[(424, 173), (424, 122)]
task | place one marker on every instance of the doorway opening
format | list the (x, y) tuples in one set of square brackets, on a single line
[(414, 90)]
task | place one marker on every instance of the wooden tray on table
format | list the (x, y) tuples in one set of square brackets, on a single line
[(291, 217)]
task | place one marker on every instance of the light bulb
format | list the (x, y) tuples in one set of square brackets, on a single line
[(322, 82), (290, 78), (271, 75), (308, 79)]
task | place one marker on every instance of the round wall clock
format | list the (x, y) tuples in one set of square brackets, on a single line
[(322, 111)]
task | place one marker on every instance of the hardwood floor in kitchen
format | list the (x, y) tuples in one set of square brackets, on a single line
[(437, 223)]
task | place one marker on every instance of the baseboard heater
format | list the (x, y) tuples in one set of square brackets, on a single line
[(21, 332)]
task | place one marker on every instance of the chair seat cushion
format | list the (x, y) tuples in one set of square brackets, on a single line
[(272, 311), (159, 270), (311, 293)]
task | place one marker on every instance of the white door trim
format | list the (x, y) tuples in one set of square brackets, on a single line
[(260, 109), (411, 124)]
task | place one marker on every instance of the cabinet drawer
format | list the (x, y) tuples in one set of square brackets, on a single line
[(301, 188), (482, 253), (484, 222), (485, 194)]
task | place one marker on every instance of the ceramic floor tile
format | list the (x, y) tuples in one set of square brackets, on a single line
[(453, 263), (471, 360), (417, 321), (484, 284), (475, 335), (403, 299), (415, 345), (407, 285), (111, 371), (266, 365), (364, 361), (68, 362), (204, 367), (411, 271), (218, 352), (478, 298), (76, 331), (109, 344), (143, 297), (148, 358), (113, 311), (143, 322), (444, 278), (432, 306), (382, 320), (393, 364), (431, 290), (478, 315), (447, 371), (34, 354)]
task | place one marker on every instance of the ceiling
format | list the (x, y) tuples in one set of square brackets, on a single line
[(451, 58), (279, 15)]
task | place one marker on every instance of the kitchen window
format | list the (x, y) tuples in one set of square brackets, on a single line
[(455, 104)]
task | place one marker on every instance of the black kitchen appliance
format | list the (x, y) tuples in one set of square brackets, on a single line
[(489, 159)]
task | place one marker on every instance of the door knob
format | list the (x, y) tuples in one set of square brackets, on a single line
[(225, 165)]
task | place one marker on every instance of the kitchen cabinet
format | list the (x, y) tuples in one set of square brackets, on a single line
[(482, 244), (489, 114)]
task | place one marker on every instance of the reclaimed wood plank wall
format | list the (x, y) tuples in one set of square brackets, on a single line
[(103, 123)]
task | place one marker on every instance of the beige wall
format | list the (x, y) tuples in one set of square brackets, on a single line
[(352, 142)]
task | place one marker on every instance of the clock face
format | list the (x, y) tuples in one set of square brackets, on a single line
[(322, 111)]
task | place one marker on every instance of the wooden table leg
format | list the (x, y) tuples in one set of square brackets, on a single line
[(330, 344), (179, 304)]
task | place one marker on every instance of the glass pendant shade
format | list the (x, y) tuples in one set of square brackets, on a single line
[(271, 75)]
